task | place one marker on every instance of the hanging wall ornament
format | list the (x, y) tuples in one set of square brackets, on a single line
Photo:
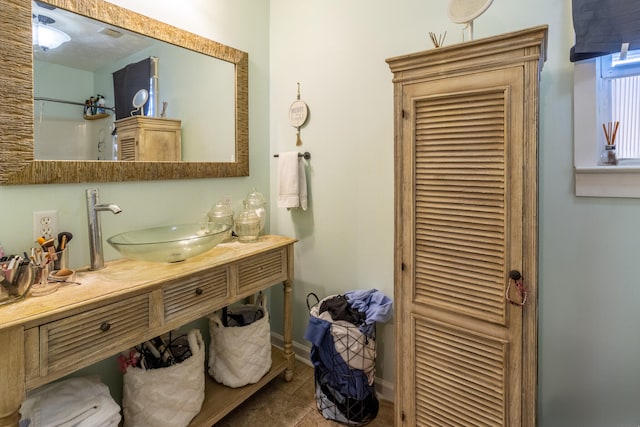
[(298, 113)]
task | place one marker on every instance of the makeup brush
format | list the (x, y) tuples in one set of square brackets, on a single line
[(64, 237)]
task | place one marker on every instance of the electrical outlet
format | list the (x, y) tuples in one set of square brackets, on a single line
[(45, 224)]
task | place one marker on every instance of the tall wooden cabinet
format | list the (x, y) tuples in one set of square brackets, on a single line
[(466, 135)]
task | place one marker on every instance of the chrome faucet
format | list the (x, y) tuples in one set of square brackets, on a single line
[(95, 230)]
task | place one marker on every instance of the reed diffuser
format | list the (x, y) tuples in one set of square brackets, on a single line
[(438, 41), (609, 157)]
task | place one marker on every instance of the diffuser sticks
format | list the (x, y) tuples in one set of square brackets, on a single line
[(610, 132), (437, 41), (609, 157)]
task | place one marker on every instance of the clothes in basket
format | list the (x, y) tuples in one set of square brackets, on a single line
[(342, 332)]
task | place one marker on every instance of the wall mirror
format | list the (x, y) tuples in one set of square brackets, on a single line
[(25, 73)]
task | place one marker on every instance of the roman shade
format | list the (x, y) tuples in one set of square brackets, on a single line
[(126, 82), (601, 26)]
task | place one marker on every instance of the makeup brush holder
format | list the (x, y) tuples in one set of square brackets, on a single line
[(62, 259), (41, 285)]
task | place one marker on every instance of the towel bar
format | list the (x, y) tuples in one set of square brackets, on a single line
[(306, 155)]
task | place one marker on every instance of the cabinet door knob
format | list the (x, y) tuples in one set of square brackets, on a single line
[(515, 278), (105, 326), (199, 291)]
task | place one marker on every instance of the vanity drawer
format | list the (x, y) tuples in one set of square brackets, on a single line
[(91, 336), (195, 296), (261, 270)]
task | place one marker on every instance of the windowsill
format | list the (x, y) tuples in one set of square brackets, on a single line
[(608, 181), (591, 180)]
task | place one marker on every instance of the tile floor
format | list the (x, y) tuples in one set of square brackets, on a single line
[(291, 404)]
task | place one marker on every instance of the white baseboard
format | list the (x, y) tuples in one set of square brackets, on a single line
[(384, 389)]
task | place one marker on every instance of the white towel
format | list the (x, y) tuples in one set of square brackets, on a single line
[(292, 181), (78, 402)]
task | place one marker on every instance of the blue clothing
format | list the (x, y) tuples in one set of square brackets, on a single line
[(344, 409), (335, 371), (376, 305), (316, 330)]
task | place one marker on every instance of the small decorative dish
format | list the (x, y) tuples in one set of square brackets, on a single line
[(65, 275)]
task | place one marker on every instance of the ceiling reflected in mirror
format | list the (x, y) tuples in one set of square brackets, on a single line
[(46, 36)]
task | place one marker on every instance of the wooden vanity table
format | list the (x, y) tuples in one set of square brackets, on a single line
[(45, 338)]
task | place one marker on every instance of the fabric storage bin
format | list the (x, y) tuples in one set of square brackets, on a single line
[(343, 354), (240, 348), (166, 397)]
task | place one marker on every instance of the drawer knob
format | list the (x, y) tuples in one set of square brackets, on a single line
[(105, 326), (199, 291)]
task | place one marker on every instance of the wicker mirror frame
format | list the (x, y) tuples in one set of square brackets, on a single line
[(17, 163)]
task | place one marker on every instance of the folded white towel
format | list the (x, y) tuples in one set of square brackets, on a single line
[(79, 402), (292, 181)]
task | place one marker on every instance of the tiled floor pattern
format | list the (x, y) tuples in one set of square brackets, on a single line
[(291, 404)]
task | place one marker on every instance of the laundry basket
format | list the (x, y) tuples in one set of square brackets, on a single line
[(344, 359)]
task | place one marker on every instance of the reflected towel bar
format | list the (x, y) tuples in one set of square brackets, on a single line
[(306, 155)]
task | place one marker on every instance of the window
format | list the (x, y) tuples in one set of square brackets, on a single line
[(607, 90), (625, 107), (622, 87)]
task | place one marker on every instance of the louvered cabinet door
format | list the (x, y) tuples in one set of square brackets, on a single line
[(466, 138), (462, 233)]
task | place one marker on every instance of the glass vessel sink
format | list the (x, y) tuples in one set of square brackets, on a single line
[(169, 243)]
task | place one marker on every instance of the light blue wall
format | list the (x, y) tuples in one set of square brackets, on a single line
[(588, 343)]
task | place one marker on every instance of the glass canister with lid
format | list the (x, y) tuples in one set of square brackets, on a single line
[(248, 225), (222, 213), (255, 200)]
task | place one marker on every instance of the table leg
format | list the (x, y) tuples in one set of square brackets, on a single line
[(288, 317), (12, 372)]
